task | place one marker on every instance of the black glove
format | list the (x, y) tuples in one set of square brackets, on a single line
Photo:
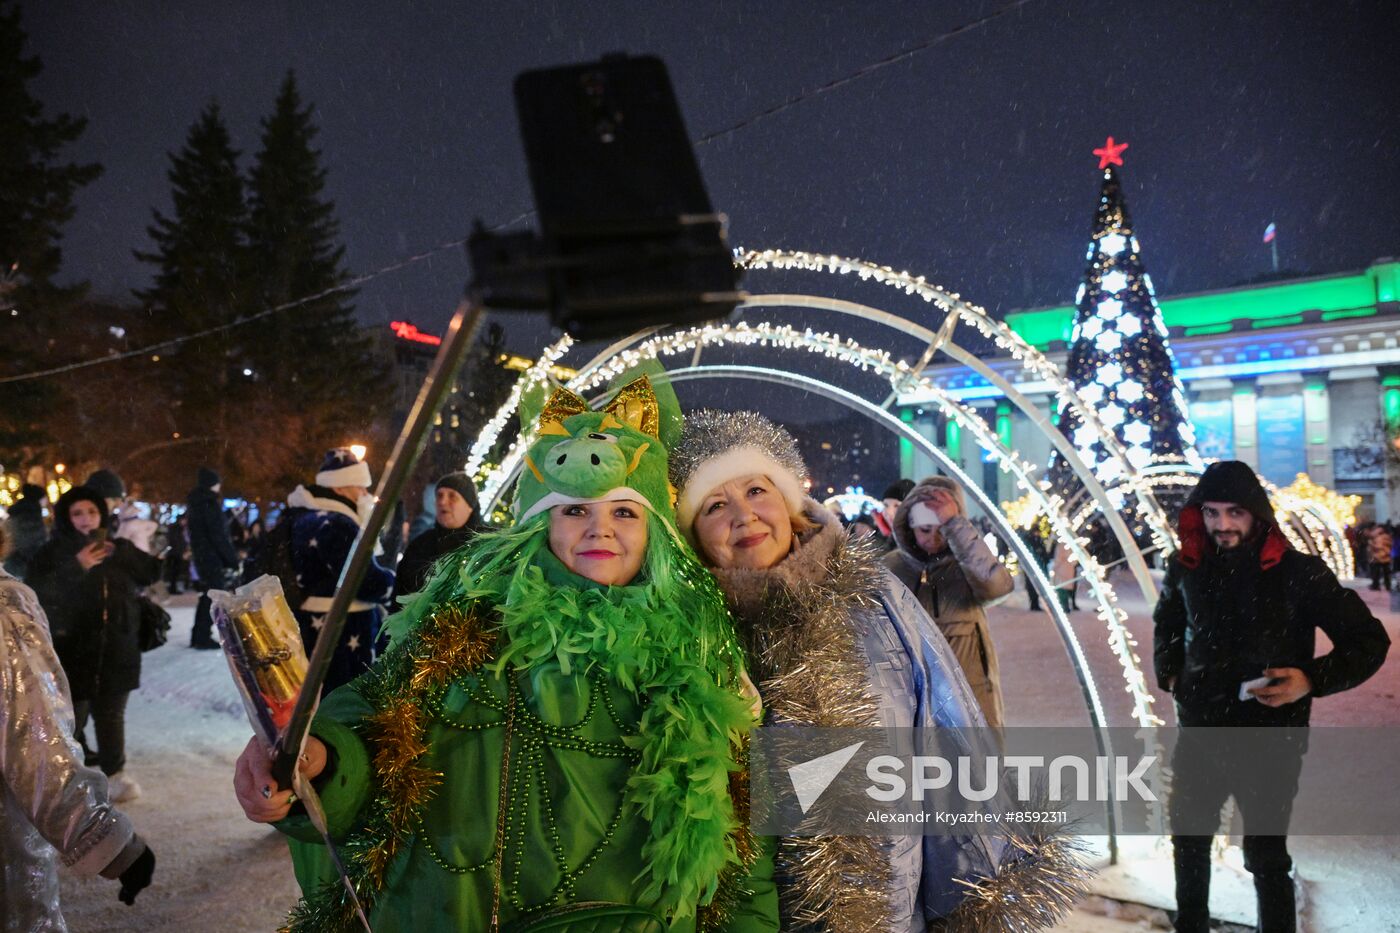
[(137, 876)]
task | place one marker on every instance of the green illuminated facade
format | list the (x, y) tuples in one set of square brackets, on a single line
[(1259, 307)]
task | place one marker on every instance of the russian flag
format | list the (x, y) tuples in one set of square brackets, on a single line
[(1270, 232)]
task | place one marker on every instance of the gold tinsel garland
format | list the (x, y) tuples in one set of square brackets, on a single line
[(452, 642)]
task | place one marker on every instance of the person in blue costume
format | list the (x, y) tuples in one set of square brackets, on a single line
[(835, 641), (554, 739), (326, 517)]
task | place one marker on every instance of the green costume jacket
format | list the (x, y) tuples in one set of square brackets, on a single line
[(569, 837)]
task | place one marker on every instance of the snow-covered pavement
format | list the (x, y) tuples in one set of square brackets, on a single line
[(216, 871)]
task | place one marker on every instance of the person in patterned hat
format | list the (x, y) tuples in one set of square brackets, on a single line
[(326, 518), (836, 641)]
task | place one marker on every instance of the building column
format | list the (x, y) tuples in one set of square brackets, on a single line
[(906, 446), (1246, 423), (1005, 482), (1317, 408), (1388, 503)]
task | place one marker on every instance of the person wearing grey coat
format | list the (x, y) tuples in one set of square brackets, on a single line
[(942, 559)]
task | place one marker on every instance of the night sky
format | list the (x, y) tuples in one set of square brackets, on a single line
[(969, 162)]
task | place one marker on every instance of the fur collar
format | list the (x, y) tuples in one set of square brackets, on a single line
[(1195, 543), (303, 498)]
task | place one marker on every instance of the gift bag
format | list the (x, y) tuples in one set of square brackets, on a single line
[(263, 647)]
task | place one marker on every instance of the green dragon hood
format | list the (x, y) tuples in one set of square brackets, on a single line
[(581, 455)]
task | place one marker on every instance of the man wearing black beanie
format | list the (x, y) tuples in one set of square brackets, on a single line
[(1234, 640), (458, 518)]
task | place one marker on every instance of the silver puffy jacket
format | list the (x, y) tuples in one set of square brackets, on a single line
[(55, 809)]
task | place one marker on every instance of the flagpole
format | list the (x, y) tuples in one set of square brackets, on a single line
[(1273, 249)]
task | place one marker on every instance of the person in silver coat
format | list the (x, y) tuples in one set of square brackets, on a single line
[(54, 809), (835, 641), (941, 557)]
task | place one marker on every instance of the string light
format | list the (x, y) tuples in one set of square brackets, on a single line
[(1110, 456), (846, 350), (1114, 282), (538, 372), (1112, 244), (1109, 341), (1012, 343), (1137, 432)]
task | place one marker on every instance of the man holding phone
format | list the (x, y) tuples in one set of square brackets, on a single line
[(1234, 641)]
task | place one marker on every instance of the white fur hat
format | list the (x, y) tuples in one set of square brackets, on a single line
[(719, 446), (341, 467)]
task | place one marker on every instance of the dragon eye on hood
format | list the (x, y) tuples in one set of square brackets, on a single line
[(611, 439)]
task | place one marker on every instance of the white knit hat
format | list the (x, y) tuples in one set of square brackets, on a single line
[(719, 446)]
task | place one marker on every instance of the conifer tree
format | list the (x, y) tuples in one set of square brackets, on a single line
[(1120, 360), (314, 354), (201, 282), (37, 188)]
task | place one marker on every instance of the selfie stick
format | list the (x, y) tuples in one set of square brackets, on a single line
[(460, 334)]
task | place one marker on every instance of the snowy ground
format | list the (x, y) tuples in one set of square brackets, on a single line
[(216, 871)]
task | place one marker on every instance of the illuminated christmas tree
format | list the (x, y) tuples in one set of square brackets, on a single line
[(1120, 361)]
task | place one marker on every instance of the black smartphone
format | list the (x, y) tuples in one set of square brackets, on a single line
[(628, 227), (98, 536), (606, 143)]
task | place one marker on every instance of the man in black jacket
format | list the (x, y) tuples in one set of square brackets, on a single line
[(458, 518), (211, 550), (1234, 642)]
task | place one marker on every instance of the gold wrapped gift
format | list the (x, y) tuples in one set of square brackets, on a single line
[(269, 642), (272, 662)]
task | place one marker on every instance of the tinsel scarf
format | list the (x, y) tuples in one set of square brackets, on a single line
[(800, 621), (667, 638)]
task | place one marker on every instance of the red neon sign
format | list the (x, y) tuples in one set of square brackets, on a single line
[(407, 331)]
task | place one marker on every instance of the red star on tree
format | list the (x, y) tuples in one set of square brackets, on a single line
[(1111, 153)]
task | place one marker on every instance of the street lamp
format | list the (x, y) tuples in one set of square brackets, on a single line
[(358, 450)]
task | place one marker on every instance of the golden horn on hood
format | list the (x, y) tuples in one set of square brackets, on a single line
[(635, 405)]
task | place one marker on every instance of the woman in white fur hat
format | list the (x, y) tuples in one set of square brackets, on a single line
[(836, 641)]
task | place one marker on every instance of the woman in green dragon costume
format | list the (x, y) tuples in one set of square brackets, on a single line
[(553, 740)]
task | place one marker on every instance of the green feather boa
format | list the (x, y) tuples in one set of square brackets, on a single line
[(668, 638)]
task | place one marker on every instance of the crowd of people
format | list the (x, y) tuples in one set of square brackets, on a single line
[(537, 723)]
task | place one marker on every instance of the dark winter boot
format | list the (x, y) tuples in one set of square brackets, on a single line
[(1192, 862), (1277, 912)]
